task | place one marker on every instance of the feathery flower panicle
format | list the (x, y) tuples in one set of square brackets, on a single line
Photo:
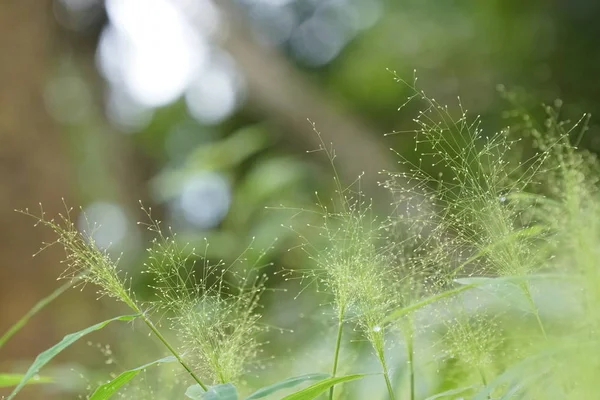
[(84, 259), (216, 314), (474, 341), (480, 216)]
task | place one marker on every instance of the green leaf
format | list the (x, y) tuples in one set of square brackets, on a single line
[(287, 383), (108, 389), (415, 306), (194, 392), (45, 357), (467, 283), (510, 289), (8, 380), (450, 392), (482, 280), (218, 392), (315, 390), (504, 289), (34, 310)]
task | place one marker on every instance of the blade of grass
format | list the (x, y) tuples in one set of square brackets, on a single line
[(33, 311), (408, 331), (467, 283), (338, 344), (318, 388), (8, 380), (420, 304), (106, 390), (287, 383), (46, 356), (451, 392)]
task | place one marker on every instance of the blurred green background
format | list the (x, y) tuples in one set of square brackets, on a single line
[(203, 110)]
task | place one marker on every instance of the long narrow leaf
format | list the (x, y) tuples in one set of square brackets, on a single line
[(108, 389), (34, 310), (8, 380), (450, 392), (485, 280), (318, 388), (287, 383), (420, 304), (467, 283), (45, 357)]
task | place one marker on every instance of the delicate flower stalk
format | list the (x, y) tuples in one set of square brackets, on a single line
[(338, 343), (172, 350), (534, 308), (407, 330), (377, 341)]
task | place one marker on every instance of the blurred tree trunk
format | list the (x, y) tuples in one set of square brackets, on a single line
[(278, 91), (33, 170), (36, 167)]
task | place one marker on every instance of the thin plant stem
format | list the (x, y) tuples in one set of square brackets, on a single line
[(379, 347), (408, 334), (172, 350), (483, 380), (386, 376), (338, 344), (525, 287)]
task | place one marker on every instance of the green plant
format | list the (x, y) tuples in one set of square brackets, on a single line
[(483, 281)]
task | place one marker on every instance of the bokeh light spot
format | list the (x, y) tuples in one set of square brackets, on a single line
[(205, 199), (104, 222)]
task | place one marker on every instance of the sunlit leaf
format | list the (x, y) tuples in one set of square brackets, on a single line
[(450, 392), (45, 357), (429, 300), (318, 388), (286, 383), (509, 289), (108, 389), (8, 380), (218, 392)]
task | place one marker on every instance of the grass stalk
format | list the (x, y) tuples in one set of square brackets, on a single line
[(338, 344), (534, 308), (172, 350), (483, 380), (386, 376), (410, 361)]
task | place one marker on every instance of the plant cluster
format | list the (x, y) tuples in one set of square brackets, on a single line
[(482, 282)]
